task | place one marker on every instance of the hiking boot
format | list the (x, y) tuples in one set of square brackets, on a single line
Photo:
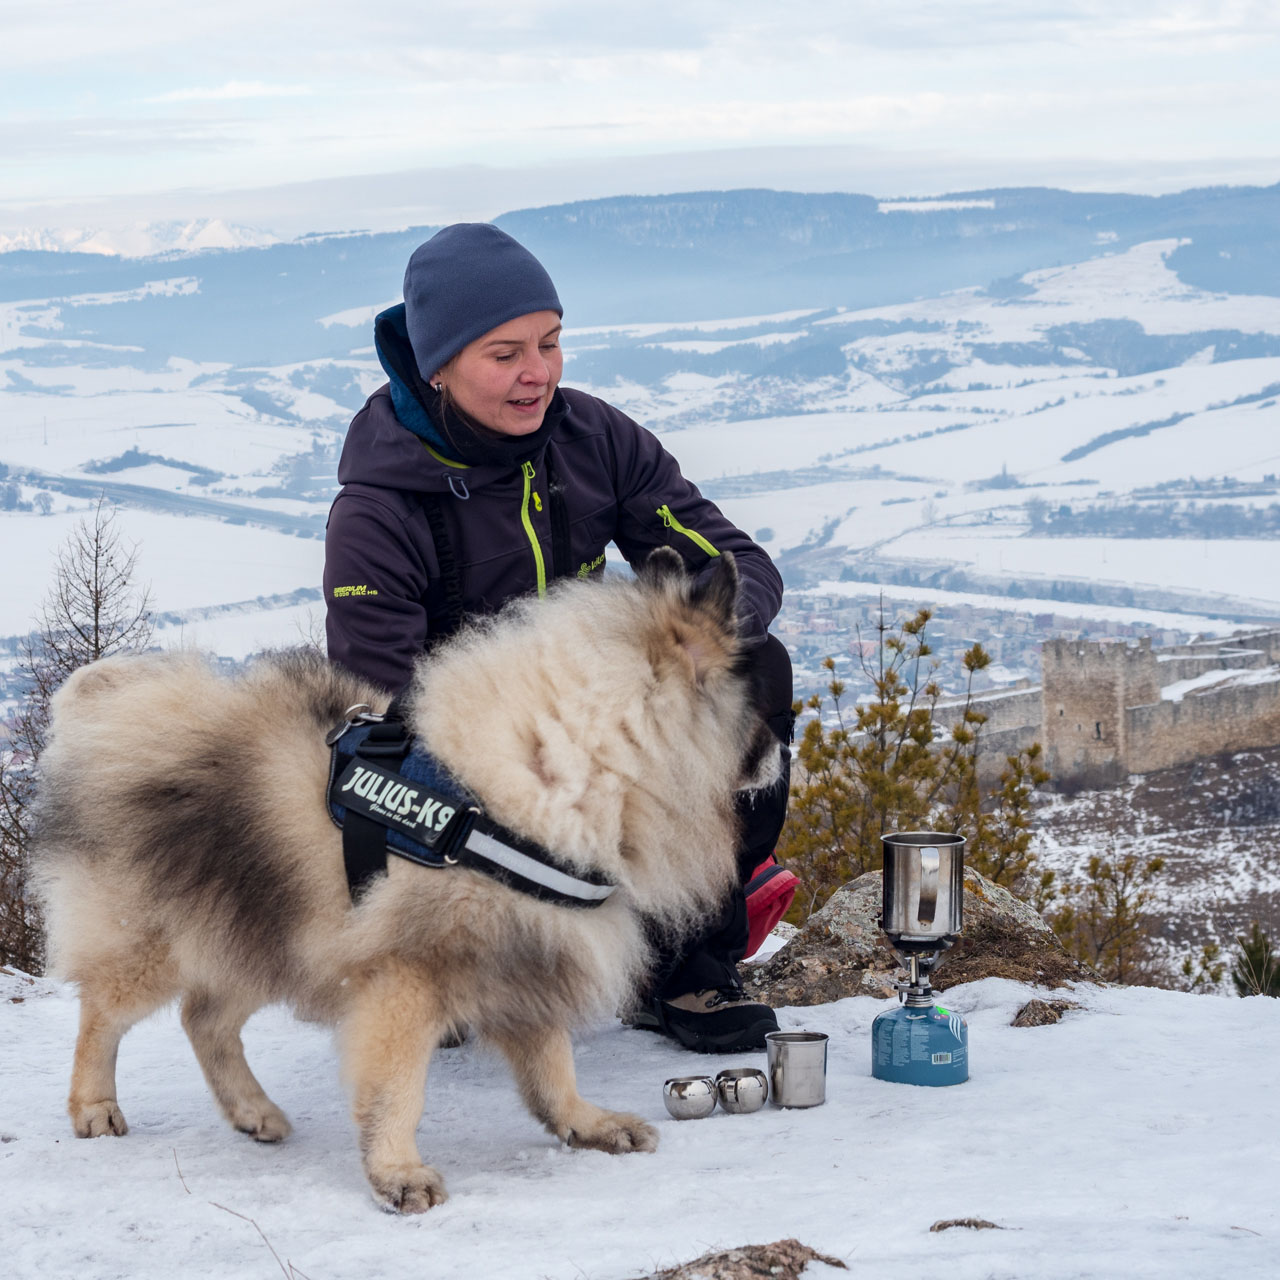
[(717, 1020)]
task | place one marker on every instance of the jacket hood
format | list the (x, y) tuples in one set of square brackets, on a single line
[(395, 354)]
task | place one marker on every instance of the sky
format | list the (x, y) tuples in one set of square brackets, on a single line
[(269, 110)]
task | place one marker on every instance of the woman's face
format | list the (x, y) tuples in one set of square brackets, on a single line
[(506, 378)]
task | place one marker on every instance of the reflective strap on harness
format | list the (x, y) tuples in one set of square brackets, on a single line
[(541, 879)]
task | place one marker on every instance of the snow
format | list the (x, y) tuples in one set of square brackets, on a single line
[(206, 428), (240, 631), (356, 317), (1155, 618), (708, 346), (1136, 284), (1130, 1139), (907, 462), (649, 328), (142, 239), (1247, 568), (188, 562), (931, 206), (1218, 681)]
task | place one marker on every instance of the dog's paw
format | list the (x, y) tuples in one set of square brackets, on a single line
[(98, 1119), (408, 1189), (615, 1132), (262, 1123)]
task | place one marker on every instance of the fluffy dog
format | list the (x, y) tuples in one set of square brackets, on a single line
[(185, 851)]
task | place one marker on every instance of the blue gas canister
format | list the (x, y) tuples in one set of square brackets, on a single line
[(923, 1044)]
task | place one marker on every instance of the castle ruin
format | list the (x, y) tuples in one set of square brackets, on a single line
[(1112, 709), (1105, 710)]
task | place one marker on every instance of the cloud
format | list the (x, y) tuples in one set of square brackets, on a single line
[(232, 90), (290, 90), (57, 140)]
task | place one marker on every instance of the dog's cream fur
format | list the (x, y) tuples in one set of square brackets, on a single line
[(185, 851)]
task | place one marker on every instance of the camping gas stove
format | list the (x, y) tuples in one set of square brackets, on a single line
[(922, 914)]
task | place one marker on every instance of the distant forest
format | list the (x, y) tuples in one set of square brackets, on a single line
[(1154, 520)]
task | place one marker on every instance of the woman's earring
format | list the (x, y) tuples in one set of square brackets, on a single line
[(436, 386)]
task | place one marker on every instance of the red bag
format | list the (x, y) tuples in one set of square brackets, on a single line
[(769, 893)]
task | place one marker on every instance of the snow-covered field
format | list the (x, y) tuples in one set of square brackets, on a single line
[(1156, 619), (892, 460), (1132, 1139), (187, 561), (1248, 568)]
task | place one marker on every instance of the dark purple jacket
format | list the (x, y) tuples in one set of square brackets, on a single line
[(382, 580)]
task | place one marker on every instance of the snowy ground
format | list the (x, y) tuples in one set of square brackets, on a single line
[(1131, 1139)]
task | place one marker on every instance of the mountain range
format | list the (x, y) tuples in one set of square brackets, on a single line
[(1035, 397), (701, 255)]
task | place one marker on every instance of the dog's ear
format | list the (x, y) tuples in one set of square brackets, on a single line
[(696, 626), (663, 566), (717, 592)]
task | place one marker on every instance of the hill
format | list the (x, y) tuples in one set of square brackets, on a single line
[(1215, 822)]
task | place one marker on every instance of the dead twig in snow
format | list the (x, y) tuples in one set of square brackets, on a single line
[(260, 1231)]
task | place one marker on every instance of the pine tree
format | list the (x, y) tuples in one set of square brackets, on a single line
[(1103, 917), (882, 767), (1256, 969), (1203, 972), (92, 610)]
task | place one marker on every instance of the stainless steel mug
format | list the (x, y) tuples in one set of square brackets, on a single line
[(742, 1089), (923, 888), (797, 1068), (690, 1097)]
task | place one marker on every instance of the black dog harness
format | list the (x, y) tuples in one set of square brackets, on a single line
[(389, 794)]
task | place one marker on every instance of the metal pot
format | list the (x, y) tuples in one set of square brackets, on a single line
[(923, 893)]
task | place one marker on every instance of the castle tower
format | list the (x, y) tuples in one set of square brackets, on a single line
[(1087, 688)]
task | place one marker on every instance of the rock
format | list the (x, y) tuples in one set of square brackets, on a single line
[(974, 1224), (841, 950), (782, 1260), (1042, 1013)]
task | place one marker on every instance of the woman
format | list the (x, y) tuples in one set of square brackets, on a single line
[(472, 477)]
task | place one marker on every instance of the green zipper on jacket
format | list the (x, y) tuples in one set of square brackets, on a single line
[(528, 527), (670, 522)]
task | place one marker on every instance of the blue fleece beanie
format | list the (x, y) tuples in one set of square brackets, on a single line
[(468, 279)]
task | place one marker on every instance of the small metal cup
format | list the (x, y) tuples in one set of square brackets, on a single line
[(797, 1068), (690, 1097), (742, 1089)]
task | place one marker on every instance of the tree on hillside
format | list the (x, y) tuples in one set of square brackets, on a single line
[(1103, 919), (882, 766), (1256, 971), (93, 609), (1204, 971)]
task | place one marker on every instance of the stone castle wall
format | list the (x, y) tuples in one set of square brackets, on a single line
[(1100, 713), (1168, 733), (1007, 709), (1103, 715)]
